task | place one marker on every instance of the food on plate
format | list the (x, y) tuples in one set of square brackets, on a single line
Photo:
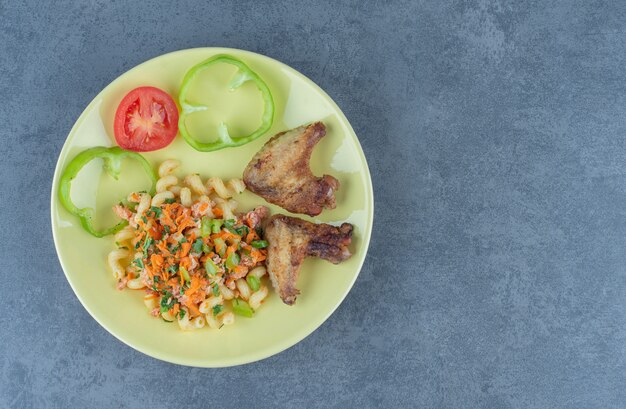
[(146, 120), (182, 241), (280, 172), (112, 165), (189, 251), (243, 75), (291, 240)]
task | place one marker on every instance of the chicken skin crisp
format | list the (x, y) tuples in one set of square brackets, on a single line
[(280, 172), (291, 240)]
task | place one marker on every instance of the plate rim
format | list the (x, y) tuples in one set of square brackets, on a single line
[(288, 342)]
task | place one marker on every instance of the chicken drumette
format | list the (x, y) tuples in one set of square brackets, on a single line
[(291, 240)]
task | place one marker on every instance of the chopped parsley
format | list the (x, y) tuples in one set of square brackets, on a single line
[(156, 211), (216, 290), (242, 231), (217, 309), (147, 244), (138, 262), (170, 201), (167, 302)]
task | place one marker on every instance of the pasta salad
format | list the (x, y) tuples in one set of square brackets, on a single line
[(199, 262)]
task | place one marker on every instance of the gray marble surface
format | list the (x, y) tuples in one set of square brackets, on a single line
[(495, 133)]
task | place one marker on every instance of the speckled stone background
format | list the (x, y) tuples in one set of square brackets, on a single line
[(496, 136)]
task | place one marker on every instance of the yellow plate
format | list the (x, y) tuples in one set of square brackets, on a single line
[(276, 326)]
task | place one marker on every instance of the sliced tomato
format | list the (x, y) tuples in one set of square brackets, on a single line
[(146, 120)]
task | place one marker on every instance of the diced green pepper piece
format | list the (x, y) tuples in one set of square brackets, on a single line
[(197, 245), (232, 260), (217, 226), (259, 244), (185, 274), (205, 226), (220, 246), (210, 267), (253, 282), (240, 307)]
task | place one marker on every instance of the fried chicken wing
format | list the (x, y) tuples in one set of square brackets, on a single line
[(291, 240), (280, 172)]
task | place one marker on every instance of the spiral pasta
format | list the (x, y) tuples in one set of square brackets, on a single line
[(226, 292), (143, 200), (161, 197), (258, 272), (237, 185), (151, 301), (124, 235), (171, 227), (136, 284), (243, 288), (165, 183), (257, 298), (207, 305), (175, 189), (228, 318), (114, 259), (167, 167), (227, 207), (195, 183), (185, 197), (217, 185)]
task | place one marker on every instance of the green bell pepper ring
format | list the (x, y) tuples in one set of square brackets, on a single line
[(112, 165), (243, 75)]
